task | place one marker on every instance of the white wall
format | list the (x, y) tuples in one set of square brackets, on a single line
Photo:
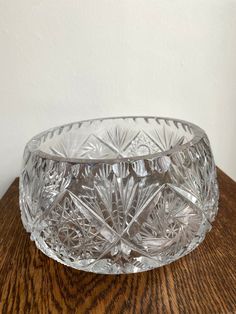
[(62, 61)]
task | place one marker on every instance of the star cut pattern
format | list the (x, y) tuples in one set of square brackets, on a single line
[(122, 216)]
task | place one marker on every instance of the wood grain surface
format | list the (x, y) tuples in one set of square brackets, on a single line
[(202, 282)]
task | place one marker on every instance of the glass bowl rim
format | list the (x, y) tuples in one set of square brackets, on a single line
[(198, 134)]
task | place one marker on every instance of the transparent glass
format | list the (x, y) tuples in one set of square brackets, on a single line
[(118, 195)]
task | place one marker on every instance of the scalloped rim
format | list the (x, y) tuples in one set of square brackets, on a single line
[(198, 134)]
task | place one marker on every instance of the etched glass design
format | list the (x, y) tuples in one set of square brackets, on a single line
[(118, 195)]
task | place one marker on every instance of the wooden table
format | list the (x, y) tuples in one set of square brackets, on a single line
[(202, 282)]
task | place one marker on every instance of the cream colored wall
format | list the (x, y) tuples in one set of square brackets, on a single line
[(62, 61)]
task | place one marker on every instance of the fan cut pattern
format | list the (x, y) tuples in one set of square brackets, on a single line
[(119, 214)]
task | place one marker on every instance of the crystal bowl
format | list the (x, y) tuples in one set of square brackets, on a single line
[(118, 195)]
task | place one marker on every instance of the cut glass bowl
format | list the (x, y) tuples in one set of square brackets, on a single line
[(118, 195)]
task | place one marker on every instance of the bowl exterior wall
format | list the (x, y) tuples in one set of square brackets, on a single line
[(119, 217)]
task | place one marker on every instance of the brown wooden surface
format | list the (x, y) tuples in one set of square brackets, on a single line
[(202, 282)]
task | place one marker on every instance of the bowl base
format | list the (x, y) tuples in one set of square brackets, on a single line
[(108, 266)]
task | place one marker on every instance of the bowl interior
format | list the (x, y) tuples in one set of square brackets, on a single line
[(115, 138)]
